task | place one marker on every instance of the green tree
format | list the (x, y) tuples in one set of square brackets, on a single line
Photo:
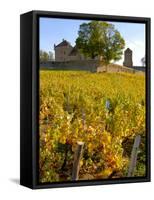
[(100, 39), (44, 56)]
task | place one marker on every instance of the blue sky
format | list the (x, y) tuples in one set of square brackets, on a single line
[(53, 30)]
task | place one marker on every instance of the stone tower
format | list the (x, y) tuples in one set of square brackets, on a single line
[(128, 62)]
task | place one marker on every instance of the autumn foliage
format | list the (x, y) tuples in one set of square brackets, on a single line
[(105, 111)]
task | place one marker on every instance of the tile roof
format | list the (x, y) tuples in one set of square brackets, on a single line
[(74, 51), (63, 43), (128, 50)]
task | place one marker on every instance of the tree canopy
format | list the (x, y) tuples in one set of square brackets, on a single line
[(44, 56), (100, 39)]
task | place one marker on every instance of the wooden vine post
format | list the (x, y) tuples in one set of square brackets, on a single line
[(76, 163), (134, 153), (83, 118)]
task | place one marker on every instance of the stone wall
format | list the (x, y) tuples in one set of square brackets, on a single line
[(139, 68), (89, 65), (120, 68)]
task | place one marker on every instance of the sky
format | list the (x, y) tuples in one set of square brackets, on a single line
[(53, 31)]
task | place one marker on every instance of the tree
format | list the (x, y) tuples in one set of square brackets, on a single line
[(44, 56), (143, 61), (100, 39)]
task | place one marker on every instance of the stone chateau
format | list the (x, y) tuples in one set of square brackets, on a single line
[(64, 51), (68, 57)]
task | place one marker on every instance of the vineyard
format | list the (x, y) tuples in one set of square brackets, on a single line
[(104, 110)]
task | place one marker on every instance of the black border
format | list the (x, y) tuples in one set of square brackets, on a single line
[(34, 141)]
